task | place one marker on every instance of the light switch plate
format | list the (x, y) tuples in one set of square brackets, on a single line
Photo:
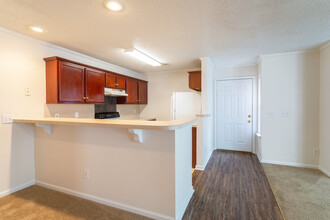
[(27, 92), (7, 119), (272, 114)]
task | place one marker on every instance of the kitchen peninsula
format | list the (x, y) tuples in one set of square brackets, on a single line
[(139, 166)]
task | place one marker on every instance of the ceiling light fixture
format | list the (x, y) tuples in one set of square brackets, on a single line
[(37, 29), (114, 5), (141, 56)]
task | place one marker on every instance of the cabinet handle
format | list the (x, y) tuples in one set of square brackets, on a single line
[(84, 98), (87, 97), (116, 84)]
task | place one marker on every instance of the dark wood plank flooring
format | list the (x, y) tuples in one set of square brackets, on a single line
[(233, 186)]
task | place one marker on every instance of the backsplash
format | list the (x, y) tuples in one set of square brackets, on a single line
[(108, 106), (68, 110)]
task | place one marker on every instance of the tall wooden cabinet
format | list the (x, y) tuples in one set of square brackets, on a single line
[(70, 82)]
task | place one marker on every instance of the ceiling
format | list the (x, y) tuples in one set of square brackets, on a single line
[(176, 32)]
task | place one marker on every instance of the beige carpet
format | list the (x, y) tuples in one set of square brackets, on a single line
[(301, 193), (36, 203)]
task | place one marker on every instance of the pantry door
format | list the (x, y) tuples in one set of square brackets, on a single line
[(234, 100)]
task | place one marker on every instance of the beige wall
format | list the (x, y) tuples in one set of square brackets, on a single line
[(290, 83), (160, 89), (22, 66), (325, 109)]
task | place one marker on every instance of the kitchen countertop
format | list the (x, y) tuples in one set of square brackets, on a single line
[(138, 118), (130, 124)]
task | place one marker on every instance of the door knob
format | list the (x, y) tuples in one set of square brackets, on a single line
[(249, 116), (249, 121)]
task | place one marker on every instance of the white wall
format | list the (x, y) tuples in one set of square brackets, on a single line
[(160, 89), (22, 66), (290, 83), (325, 109), (205, 125)]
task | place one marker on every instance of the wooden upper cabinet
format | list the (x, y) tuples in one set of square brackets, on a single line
[(110, 80), (143, 92), (195, 80), (121, 82), (94, 86), (71, 82), (132, 91), (115, 81)]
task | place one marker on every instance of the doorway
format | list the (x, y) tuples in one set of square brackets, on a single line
[(234, 114)]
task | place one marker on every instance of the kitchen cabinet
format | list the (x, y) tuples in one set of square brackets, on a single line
[(94, 92), (143, 92), (71, 82), (194, 146), (132, 91), (195, 80), (115, 81), (137, 91)]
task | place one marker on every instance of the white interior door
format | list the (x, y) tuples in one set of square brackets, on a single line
[(234, 114)]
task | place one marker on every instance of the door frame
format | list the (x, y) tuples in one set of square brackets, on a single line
[(254, 106)]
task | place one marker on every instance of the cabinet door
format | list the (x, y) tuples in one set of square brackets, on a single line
[(110, 80), (121, 82), (132, 91), (71, 82), (195, 80), (94, 86), (143, 92)]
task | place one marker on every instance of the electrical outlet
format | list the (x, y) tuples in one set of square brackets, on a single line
[(57, 115), (316, 151), (86, 173), (76, 114), (27, 92), (7, 119)]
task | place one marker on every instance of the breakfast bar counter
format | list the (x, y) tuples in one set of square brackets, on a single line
[(139, 166)]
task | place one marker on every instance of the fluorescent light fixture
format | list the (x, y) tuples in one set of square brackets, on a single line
[(141, 56), (114, 5), (37, 29)]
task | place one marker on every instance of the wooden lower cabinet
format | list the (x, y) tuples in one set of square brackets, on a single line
[(194, 146)]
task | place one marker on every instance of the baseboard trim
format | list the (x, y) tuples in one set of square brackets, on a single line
[(324, 171), (185, 204), (199, 167), (107, 202), (17, 188), (208, 158), (291, 164)]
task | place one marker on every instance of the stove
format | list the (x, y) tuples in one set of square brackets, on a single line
[(107, 115)]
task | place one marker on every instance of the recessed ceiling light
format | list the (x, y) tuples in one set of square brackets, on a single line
[(37, 29), (114, 5), (141, 56)]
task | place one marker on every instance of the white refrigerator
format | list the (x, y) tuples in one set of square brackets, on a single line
[(185, 105)]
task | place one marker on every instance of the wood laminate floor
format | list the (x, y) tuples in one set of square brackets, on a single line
[(233, 186)]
